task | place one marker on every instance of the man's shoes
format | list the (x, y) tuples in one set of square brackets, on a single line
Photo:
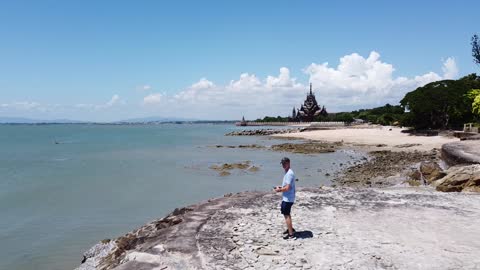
[(289, 236), (286, 231)]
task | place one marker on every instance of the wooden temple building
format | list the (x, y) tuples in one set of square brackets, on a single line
[(309, 110)]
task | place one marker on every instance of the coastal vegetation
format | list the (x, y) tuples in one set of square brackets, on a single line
[(441, 105), (474, 94), (385, 115)]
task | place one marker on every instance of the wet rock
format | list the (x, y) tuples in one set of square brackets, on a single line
[(307, 148), (181, 211), (253, 146), (224, 169), (413, 182), (224, 173), (231, 166), (253, 169), (415, 175), (256, 146), (407, 145), (431, 171)]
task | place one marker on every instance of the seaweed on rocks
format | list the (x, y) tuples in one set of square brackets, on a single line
[(382, 165)]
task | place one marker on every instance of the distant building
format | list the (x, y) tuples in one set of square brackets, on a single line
[(309, 110), (243, 123)]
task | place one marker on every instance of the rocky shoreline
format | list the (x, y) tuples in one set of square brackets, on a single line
[(384, 168), (383, 214), (338, 228)]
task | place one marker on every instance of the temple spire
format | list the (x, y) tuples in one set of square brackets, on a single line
[(310, 88)]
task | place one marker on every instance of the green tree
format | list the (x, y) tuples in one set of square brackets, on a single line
[(344, 117), (476, 49), (441, 104), (474, 95)]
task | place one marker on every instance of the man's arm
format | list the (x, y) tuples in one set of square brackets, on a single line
[(283, 189)]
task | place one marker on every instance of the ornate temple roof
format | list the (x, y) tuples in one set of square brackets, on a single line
[(309, 109)]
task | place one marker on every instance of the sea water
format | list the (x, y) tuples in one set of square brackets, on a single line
[(63, 188)]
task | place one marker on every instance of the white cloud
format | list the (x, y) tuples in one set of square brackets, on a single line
[(152, 99), (84, 106), (355, 75), (246, 81), (145, 87), (114, 100), (283, 80), (450, 69), (202, 84), (22, 105), (426, 78), (355, 82), (358, 81)]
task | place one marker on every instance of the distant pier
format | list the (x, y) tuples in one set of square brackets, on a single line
[(305, 124)]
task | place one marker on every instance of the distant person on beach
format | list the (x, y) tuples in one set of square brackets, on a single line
[(288, 196)]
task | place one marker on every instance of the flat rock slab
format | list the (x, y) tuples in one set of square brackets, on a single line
[(464, 152), (342, 228)]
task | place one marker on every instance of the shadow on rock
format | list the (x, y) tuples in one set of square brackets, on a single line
[(303, 234)]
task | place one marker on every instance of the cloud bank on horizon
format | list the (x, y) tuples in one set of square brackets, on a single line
[(356, 82)]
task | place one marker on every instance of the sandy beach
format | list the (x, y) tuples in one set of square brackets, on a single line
[(388, 138)]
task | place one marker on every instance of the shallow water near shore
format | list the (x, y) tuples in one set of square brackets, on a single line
[(63, 188)]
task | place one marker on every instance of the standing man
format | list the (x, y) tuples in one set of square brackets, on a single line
[(288, 189)]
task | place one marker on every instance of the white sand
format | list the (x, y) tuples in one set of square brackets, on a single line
[(371, 137)]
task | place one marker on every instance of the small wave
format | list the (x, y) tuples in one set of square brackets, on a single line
[(60, 159)]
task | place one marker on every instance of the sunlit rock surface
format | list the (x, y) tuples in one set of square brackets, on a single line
[(343, 228)]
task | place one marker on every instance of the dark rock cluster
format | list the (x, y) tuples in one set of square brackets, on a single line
[(225, 168), (307, 148), (254, 146), (383, 164)]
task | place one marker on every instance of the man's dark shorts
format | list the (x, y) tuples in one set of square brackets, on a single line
[(286, 208)]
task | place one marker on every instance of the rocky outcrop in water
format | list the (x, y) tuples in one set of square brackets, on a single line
[(225, 168), (307, 148), (251, 146)]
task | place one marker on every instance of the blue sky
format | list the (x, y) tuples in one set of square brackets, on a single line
[(111, 60)]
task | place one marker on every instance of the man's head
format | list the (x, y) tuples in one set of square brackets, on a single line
[(285, 163)]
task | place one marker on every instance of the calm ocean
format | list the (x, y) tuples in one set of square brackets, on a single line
[(101, 181)]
